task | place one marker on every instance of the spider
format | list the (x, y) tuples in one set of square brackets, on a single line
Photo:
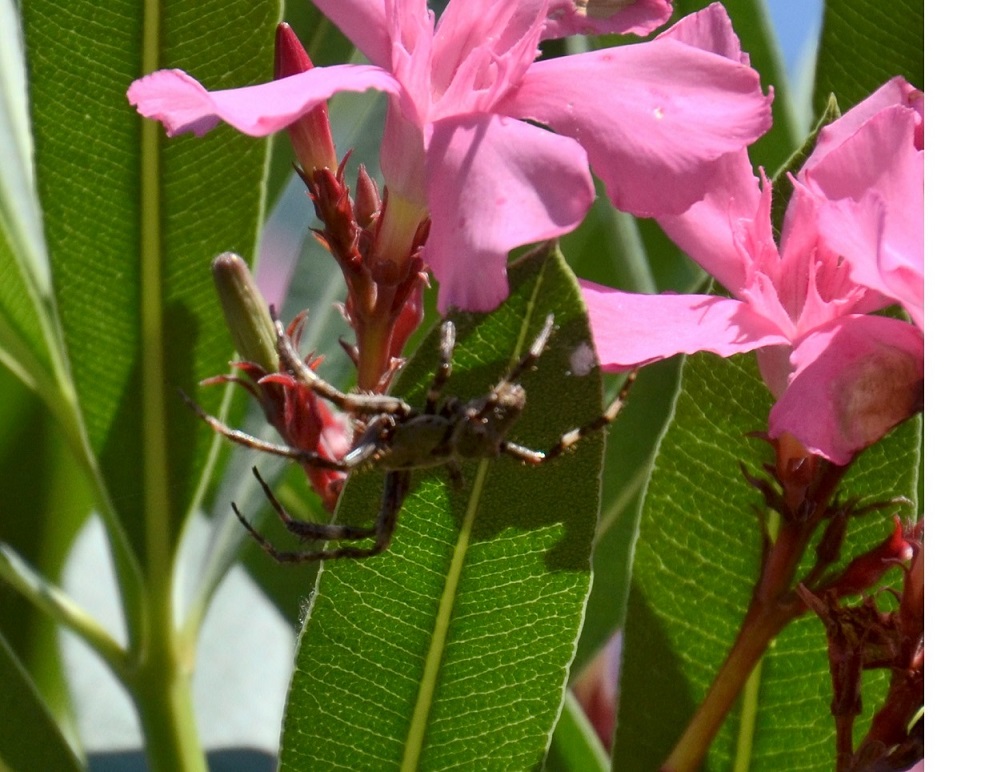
[(399, 438)]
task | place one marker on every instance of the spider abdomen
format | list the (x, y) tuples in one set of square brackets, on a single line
[(418, 442)]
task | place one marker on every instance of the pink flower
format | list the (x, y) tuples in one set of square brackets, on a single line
[(851, 243), (871, 186), (653, 119)]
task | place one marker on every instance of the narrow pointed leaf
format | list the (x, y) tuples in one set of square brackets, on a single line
[(696, 563), (29, 736), (454, 645), (132, 221), (575, 745), (864, 44), (23, 345)]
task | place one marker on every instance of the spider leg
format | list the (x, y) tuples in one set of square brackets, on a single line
[(394, 493), (242, 438), (528, 359), (509, 381), (363, 404), (307, 529), (444, 371), (455, 475), (569, 439)]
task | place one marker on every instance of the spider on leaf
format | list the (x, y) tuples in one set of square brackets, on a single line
[(399, 438)]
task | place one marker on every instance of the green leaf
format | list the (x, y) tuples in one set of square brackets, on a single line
[(132, 221), (864, 44), (696, 563), (44, 499), (575, 745), (631, 446), (23, 342), (29, 737), (22, 337), (455, 644), (23, 277)]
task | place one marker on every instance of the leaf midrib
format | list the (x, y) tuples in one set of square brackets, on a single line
[(154, 424), (439, 636)]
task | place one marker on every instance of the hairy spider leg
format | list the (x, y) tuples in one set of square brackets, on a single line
[(569, 439), (361, 404), (526, 362), (236, 435), (396, 490), (531, 356), (444, 371)]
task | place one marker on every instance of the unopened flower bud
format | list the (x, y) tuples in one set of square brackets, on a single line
[(367, 203), (311, 133), (411, 313), (245, 311), (865, 570)]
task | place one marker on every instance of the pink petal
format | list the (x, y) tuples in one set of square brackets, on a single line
[(630, 329), (873, 183), (663, 112), (495, 184), (854, 380), (480, 51), (182, 104), (895, 92), (729, 226), (402, 158), (599, 17), (365, 23), (813, 284), (709, 29)]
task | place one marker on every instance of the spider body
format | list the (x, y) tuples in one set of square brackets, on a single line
[(457, 432), (399, 438)]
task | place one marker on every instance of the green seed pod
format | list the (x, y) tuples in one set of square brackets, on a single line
[(245, 311)]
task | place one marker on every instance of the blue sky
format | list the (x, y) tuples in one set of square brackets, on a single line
[(796, 22)]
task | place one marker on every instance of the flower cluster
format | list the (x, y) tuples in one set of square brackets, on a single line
[(460, 142), (851, 244), (488, 146)]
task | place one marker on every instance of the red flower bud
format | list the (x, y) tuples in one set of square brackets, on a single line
[(311, 134)]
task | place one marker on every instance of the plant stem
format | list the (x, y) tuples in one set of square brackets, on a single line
[(773, 606), (165, 709), (761, 625), (162, 694)]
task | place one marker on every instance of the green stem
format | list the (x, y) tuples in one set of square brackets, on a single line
[(773, 606), (163, 697), (161, 681), (761, 625), (50, 599)]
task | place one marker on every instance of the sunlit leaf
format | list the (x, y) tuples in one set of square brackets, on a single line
[(455, 645), (864, 44), (29, 737), (132, 220), (696, 563)]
